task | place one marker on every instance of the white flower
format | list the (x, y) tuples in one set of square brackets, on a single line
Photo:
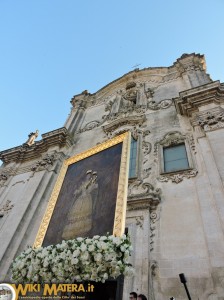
[(83, 247), (80, 259), (98, 257), (74, 261), (96, 237), (91, 248), (80, 239), (85, 256), (76, 253)]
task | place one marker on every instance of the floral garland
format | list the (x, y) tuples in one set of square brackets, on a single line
[(81, 259)]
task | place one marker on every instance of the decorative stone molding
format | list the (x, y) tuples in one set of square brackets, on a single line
[(210, 119), (190, 62), (178, 177), (81, 101), (139, 221), (3, 178), (153, 267), (43, 164), (5, 209), (161, 105), (125, 123), (173, 139), (170, 139), (189, 101), (89, 126), (154, 217), (143, 195), (58, 137)]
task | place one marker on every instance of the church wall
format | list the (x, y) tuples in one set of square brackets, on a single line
[(175, 220)]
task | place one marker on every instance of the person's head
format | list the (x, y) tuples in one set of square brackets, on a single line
[(142, 297), (133, 296)]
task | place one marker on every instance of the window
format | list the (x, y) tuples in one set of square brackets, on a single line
[(175, 158), (133, 158)]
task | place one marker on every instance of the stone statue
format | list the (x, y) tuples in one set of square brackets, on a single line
[(32, 136)]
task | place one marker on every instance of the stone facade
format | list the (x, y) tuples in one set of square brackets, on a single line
[(175, 219)]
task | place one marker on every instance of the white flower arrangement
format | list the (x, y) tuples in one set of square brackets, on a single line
[(81, 259)]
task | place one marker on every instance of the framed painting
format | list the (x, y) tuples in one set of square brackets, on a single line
[(90, 194)]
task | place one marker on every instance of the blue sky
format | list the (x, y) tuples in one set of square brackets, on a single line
[(51, 50)]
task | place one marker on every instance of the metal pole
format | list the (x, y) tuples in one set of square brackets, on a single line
[(183, 280)]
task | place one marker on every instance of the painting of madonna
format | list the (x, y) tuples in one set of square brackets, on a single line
[(86, 203)]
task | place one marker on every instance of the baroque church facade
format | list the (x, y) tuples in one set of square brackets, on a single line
[(175, 194)]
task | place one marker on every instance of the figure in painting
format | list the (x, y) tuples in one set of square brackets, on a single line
[(80, 217), (32, 136)]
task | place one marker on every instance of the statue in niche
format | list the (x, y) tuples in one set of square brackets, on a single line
[(116, 103), (80, 218), (32, 136)]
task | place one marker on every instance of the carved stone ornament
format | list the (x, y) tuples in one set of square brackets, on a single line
[(5, 209), (143, 195), (154, 217), (3, 178), (161, 105), (43, 164), (139, 221), (176, 178), (124, 123), (170, 139), (153, 267), (90, 126), (190, 101), (210, 119), (175, 138)]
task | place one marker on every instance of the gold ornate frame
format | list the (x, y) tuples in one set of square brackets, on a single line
[(121, 201)]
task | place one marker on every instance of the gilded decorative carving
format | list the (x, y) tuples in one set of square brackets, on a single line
[(119, 220), (176, 178)]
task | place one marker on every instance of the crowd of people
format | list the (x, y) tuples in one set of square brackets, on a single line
[(135, 296)]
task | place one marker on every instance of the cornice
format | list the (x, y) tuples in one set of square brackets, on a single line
[(58, 137), (130, 120), (142, 202), (189, 101)]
